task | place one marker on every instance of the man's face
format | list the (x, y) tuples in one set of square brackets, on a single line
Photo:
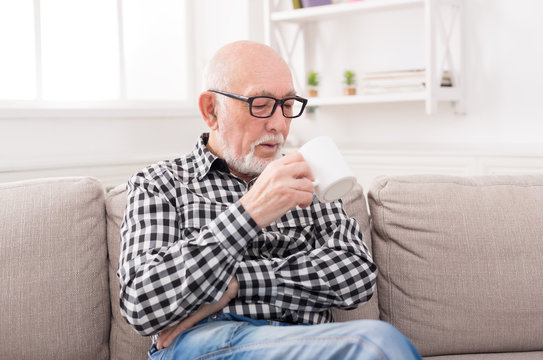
[(243, 136)]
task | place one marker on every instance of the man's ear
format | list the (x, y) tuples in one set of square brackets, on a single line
[(207, 105)]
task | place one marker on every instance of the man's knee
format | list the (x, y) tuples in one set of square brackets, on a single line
[(387, 338), (382, 328)]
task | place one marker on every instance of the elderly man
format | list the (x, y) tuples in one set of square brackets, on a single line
[(226, 252)]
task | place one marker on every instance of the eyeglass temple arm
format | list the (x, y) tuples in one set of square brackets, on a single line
[(234, 96)]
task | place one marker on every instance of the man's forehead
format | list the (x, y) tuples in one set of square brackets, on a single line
[(266, 92)]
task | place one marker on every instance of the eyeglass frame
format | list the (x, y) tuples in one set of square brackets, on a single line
[(250, 100)]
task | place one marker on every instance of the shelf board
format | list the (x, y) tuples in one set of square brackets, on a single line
[(329, 11), (441, 94), (367, 98)]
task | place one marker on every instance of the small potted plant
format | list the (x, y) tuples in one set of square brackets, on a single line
[(312, 83), (350, 82)]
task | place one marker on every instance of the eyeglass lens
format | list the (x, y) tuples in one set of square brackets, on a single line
[(263, 107)]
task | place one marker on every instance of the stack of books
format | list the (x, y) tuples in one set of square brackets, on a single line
[(298, 4), (398, 81)]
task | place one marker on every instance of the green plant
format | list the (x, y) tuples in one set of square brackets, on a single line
[(350, 77), (313, 78)]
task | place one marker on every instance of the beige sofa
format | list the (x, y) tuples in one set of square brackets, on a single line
[(460, 261)]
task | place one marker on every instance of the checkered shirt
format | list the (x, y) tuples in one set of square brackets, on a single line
[(185, 235)]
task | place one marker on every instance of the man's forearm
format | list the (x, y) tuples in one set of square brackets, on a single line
[(307, 282)]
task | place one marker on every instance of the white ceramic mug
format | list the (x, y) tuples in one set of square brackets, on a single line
[(333, 177)]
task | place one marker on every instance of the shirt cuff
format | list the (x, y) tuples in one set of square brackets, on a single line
[(257, 282), (233, 228)]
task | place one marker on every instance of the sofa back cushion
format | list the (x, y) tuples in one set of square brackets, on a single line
[(460, 261), (53, 276), (125, 342)]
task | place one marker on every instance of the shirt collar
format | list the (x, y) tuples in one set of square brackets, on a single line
[(204, 160)]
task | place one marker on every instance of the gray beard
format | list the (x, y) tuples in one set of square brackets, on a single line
[(249, 164)]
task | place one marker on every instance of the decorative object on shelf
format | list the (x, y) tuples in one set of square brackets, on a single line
[(312, 83), (399, 81), (296, 4), (310, 3), (350, 83)]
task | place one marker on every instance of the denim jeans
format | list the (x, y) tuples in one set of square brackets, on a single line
[(230, 336)]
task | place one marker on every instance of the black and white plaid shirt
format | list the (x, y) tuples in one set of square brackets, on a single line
[(185, 234)]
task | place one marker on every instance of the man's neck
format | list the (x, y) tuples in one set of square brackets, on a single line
[(244, 177)]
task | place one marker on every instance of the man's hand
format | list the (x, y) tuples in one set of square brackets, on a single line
[(166, 337), (284, 184)]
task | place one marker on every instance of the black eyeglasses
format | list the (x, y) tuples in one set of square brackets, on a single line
[(264, 106)]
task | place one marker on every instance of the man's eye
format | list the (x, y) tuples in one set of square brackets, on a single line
[(288, 104)]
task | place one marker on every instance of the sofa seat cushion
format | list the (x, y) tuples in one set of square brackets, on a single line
[(460, 261), (53, 272)]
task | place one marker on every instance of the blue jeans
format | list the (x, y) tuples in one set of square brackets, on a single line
[(230, 336)]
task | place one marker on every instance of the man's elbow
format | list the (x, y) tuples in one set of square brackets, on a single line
[(141, 324), (140, 318)]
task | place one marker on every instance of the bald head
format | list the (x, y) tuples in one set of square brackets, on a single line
[(237, 64)]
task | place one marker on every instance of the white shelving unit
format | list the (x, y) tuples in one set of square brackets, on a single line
[(337, 10), (437, 46)]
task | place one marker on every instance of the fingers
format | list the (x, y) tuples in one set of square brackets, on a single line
[(164, 337), (291, 165), (299, 178), (305, 189), (294, 156), (300, 170), (284, 184), (167, 339)]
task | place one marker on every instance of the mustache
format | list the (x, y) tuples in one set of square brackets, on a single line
[(275, 139)]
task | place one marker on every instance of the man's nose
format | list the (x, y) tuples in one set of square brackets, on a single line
[(277, 122)]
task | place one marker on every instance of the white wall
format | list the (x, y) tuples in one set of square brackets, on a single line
[(36, 147), (504, 53)]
